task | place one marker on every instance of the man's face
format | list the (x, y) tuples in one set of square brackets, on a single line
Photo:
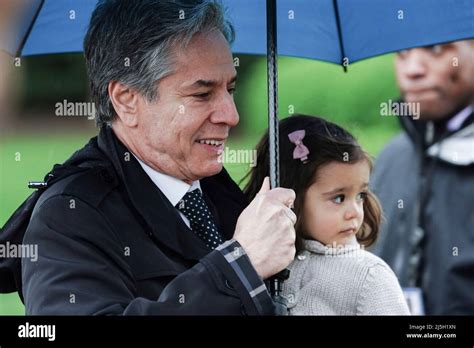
[(195, 105), (440, 78)]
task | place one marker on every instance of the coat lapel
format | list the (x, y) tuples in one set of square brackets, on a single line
[(161, 218)]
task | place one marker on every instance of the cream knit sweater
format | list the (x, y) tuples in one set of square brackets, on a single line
[(342, 281)]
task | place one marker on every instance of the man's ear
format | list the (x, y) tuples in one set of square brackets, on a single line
[(125, 103)]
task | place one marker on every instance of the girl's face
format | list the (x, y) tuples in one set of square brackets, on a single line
[(333, 208)]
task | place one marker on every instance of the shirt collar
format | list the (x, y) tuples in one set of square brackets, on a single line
[(456, 121), (174, 189)]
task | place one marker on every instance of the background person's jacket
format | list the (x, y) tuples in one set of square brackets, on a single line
[(424, 179), (110, 242)]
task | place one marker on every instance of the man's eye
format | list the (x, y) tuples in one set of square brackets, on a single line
[(436, 49), (338, 199), (402, 53), (202, 95), (231, 90)]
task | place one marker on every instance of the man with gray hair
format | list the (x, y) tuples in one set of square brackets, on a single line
[(144, 219)]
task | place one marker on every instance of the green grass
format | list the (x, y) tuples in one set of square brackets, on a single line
[(28, 157), (10, 304)]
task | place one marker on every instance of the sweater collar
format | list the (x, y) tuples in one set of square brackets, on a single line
[(317, 247)]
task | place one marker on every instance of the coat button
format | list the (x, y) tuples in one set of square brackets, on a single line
[(242, 310), (228, 284), (301, 257)]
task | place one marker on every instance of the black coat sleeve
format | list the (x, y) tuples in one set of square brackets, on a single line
[(81, 270)]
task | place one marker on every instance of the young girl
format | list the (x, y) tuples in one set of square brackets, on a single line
[(338, 217)]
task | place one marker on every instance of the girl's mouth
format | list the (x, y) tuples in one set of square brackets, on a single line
[(349, 230)]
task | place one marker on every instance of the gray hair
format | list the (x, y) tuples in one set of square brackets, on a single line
[(132, 41)]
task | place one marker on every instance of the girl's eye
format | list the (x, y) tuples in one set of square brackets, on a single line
[(362, 196), (338, 199)]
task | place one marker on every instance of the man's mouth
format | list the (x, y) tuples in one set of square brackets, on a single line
[(419, 94), (213, 145), (213, 142)]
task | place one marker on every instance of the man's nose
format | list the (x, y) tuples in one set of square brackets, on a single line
[(226, 111), (415, 63)]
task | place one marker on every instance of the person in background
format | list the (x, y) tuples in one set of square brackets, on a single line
[(424, 179)]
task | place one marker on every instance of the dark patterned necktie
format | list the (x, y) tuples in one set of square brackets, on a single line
[(196, 210)]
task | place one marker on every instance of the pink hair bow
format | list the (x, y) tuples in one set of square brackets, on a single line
[(301, 152)]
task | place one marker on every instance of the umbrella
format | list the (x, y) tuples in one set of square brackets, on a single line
[(337, 31), (327, 30)]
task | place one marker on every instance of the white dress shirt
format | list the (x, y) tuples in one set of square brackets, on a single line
[(174, 189)]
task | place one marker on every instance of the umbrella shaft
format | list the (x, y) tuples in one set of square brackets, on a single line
[(272, 72), (274, 283)]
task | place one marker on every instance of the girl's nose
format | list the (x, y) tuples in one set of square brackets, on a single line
[(353, 211)]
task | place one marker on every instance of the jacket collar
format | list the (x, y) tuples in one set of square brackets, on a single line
[(449, 140), (418, 131), (159, 215)]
